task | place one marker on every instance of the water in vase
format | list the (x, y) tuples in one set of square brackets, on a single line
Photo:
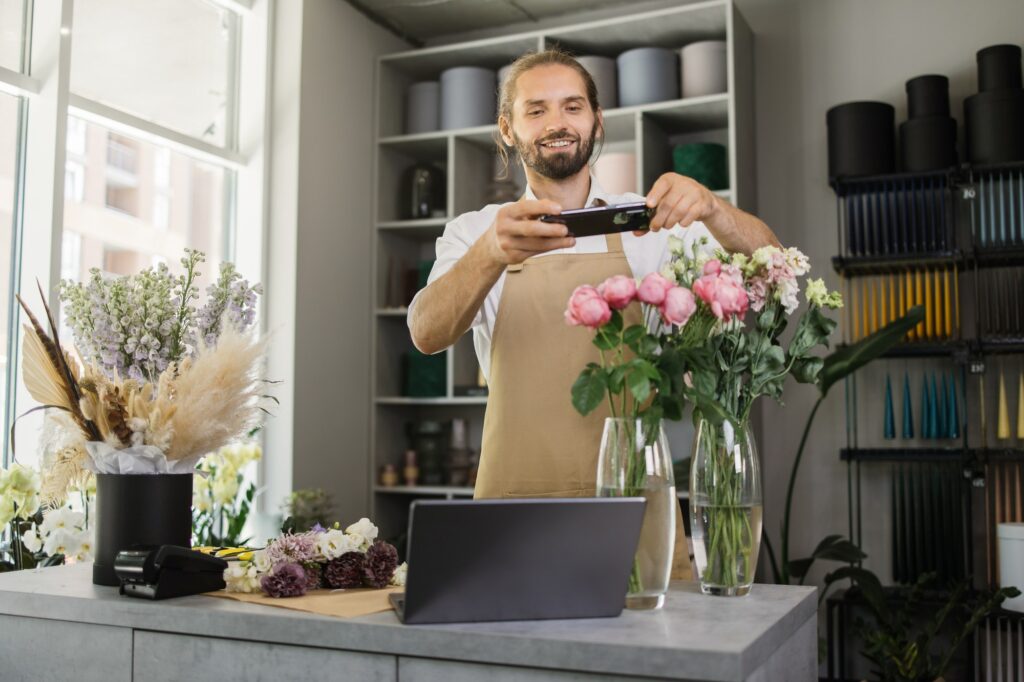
[(725, 544)]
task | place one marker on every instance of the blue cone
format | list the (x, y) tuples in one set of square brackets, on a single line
[(890, 416), (908, 409), (938, 410), (953, 424)]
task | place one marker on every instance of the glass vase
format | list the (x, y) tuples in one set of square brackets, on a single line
[(634, 461), (725, 507)]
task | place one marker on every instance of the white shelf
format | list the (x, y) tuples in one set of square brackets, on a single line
[(455, 400), (445, 490)]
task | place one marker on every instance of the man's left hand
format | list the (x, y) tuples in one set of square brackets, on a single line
[(682, 200)]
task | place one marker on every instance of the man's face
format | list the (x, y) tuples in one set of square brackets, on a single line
[(553, 126)]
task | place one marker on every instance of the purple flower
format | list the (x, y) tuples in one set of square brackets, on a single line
[(345, 571), (291, 548), (381, 561), (317, 528), (284, 580)]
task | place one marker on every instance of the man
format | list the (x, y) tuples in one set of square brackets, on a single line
[(508, 276)]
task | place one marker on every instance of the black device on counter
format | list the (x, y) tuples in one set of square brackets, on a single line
[(519, 559), (587, 222), (168, 571)]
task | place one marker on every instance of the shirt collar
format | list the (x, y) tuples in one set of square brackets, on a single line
[(597, 196)]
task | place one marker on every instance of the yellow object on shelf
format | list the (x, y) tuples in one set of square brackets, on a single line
[(929, 315), (1020, 408), (909, 291), (946, 304), (1003, 424), (892, 298), (864, 309), (919, 300), (956, 299)]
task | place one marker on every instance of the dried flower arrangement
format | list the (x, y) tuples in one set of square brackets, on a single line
[(157, 384)]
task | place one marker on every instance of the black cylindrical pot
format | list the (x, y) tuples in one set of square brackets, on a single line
[(994, 124), (928, 143), (139, 510), (999, 68), (861, 139), (928, 96)]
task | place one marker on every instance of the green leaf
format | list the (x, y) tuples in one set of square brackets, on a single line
[(869, 585), (806, 370), (647, 346), (588, 390), (634, 334), (617, 378), (849, 359), (605, 340), (672, 408), (775, 358), (639, 385), (838, 548), (798, 567), (647, 368)]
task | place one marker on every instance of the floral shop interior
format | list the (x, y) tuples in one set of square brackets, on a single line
[(570, 340)]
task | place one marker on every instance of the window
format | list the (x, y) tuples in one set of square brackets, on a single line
[(167, 61), (152, 160)]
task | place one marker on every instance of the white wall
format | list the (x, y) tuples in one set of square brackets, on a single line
[(810, 55), (318, 269)]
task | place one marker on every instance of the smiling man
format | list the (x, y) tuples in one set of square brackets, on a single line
[(507, 275)]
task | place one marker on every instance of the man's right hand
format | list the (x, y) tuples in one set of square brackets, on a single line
[(518, 233)]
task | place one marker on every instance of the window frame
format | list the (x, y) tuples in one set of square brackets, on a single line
[(46, 103)]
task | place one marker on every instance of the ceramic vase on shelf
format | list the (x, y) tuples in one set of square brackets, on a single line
[(725, 507), (636, 463)]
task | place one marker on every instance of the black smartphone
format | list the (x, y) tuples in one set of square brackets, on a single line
[(587, 222)]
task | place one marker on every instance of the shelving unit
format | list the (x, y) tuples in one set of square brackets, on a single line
[(467, 157), (969, 234)]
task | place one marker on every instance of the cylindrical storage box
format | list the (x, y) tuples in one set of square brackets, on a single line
[(423, 107), (994, 123), (616, 171), (928, 96), (647, 74), (604, 73), (705, 162), (139, 510), (703, 68), (999, 68), (1011, 562), (928, 143), (467, 97), (861, 139)]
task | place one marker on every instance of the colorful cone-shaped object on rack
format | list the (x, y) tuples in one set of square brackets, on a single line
[(1003, 424), (926, 408), (1020, 408), (938, 411), (908, 409), (890, 414), (952, 409)]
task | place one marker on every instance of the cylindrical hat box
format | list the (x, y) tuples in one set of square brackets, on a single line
[(705, 162), (139, 510), (928, 96), (861, 139), (467, 97), (616, 171), (605, 75), (647, 74), (423, 107), (999, 68), (1011, 562), (994, 123), (928, 143), (704, 68)]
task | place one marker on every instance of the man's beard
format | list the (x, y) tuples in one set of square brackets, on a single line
[(557, 165)]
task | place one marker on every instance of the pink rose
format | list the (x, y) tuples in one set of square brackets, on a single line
[(587, 307), (619, 291), (713, 267), (679, 305), (725, 298), (653, 288)]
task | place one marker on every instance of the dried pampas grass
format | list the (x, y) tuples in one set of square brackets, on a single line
[(217, 395)]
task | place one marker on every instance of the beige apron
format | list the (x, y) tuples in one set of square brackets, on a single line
[(535, 443)]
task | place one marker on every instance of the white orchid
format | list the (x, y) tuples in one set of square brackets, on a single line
[(62, 541), (64, 517), (31, 540)]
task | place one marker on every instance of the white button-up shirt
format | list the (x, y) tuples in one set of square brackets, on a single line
[(645, 254)]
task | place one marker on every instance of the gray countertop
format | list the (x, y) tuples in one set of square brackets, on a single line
[(693, 636)]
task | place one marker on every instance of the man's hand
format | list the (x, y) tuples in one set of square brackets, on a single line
[(518, 233), (679, 199)]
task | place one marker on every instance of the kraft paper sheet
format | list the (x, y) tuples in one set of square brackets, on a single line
[(336, 603)]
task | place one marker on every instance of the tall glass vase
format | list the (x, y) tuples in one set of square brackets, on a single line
[(635, 462), (725, 507)]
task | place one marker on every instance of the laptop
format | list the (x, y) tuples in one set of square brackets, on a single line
[(521, 559)]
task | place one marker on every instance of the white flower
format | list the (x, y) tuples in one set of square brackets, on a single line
[(669, 273), (788, 292), (398, 579), (7, 511), (241, 576), (333, 543), (62, 541), (363, 532), (225, 489), (85, 547), (31, 540), (796, 259), (676, 246), (261, 561), (63, 518)]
